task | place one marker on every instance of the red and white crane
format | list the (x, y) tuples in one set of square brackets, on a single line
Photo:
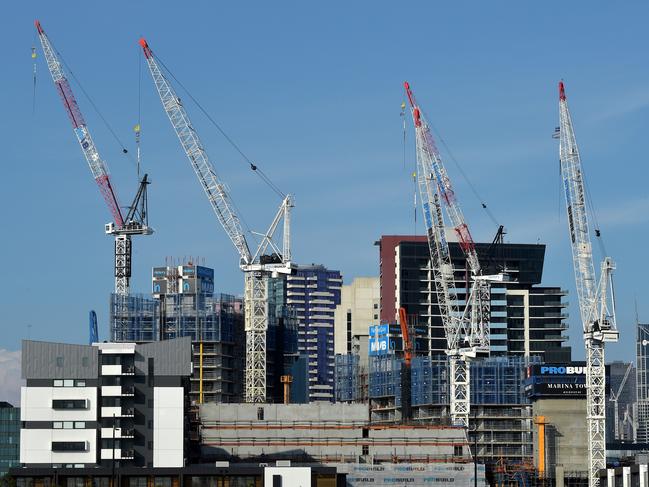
[(467, 332), (257, 267), (136, 221), (596, 299)]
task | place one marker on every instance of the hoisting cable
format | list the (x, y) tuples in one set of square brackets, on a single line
[(94, 106), (256, 169), (34, 77), (589, 202), (464, 175), (138, 126)]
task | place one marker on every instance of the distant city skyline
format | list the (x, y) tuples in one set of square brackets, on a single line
[(312, 94)]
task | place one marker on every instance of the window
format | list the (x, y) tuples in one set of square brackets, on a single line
[(68, 425), (260, 414), (69, 404), (79, 425), (376, 317), (68, 383), (457, 450), (57, 425), (58, 383), (80, 383), (376, 306), (68, 446), (366, 450)]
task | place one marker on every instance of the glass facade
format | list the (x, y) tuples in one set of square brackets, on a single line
[(9, 437)]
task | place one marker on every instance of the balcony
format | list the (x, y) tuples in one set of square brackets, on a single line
[(117, 370), (119, 433), (117, 411), (107, 454), (117, 391)]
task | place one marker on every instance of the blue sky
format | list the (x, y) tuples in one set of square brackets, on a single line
[(312, 93)]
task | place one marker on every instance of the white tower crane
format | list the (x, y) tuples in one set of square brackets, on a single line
[(615, 396), (467, 332), (596, 305), (136, 221), (257, 268)]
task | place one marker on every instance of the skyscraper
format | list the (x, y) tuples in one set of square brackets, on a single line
[(526, 318), (314, 292), (642, 382)]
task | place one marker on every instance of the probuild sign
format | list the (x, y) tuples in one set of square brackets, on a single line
[(561, 381), (398, 474)]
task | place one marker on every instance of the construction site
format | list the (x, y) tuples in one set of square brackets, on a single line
[(450, 367)]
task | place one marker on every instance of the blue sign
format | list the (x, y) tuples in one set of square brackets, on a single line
[(379, 330), (379, 346)]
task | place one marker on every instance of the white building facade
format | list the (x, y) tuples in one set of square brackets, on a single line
[(85, 405)]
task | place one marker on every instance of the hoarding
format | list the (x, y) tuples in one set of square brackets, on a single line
[(558, 381), (438, 474)]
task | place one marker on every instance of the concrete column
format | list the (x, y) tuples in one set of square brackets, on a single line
[(559, 476), (626, 476), (610, 477), (643, 474)]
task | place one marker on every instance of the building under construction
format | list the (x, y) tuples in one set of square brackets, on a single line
[(183, 303), (501, 412), (339, 435)]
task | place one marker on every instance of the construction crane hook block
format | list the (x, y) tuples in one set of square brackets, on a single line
[(562, 91)]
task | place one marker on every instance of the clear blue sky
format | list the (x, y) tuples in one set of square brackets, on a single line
[(312, 92)]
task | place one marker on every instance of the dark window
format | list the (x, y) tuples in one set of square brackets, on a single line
[(277, 481), (457, 450), (366, 449), (260, 414), (68, 446), (366, 433), (69, 404)]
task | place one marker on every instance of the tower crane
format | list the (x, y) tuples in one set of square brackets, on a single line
[(596, 299), (467, 332), (615, 396), (257, 267), (122, 228)]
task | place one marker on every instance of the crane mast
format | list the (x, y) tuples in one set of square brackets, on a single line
[(257, 267), (136, 222), (596, 299), (467, 333)]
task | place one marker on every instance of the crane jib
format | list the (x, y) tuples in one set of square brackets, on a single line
[(70, 103)]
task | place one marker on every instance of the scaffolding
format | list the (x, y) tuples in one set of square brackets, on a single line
[(134, 318), (351, 379)]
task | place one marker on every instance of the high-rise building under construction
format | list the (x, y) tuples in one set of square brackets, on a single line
[(526, 319), (183, 303)]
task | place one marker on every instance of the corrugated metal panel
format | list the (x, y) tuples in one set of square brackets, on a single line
[(46, 360), (170, 357)]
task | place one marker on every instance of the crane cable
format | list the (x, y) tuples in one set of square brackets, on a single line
[(256, 169), (94, 106), (464, 175)]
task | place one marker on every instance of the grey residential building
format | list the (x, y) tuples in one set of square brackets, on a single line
[(104, 405)]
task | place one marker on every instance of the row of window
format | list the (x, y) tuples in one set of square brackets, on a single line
[(68, 425), (69, 383)]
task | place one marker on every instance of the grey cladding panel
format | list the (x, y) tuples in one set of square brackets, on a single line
[(47, 360), (170, 357)]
